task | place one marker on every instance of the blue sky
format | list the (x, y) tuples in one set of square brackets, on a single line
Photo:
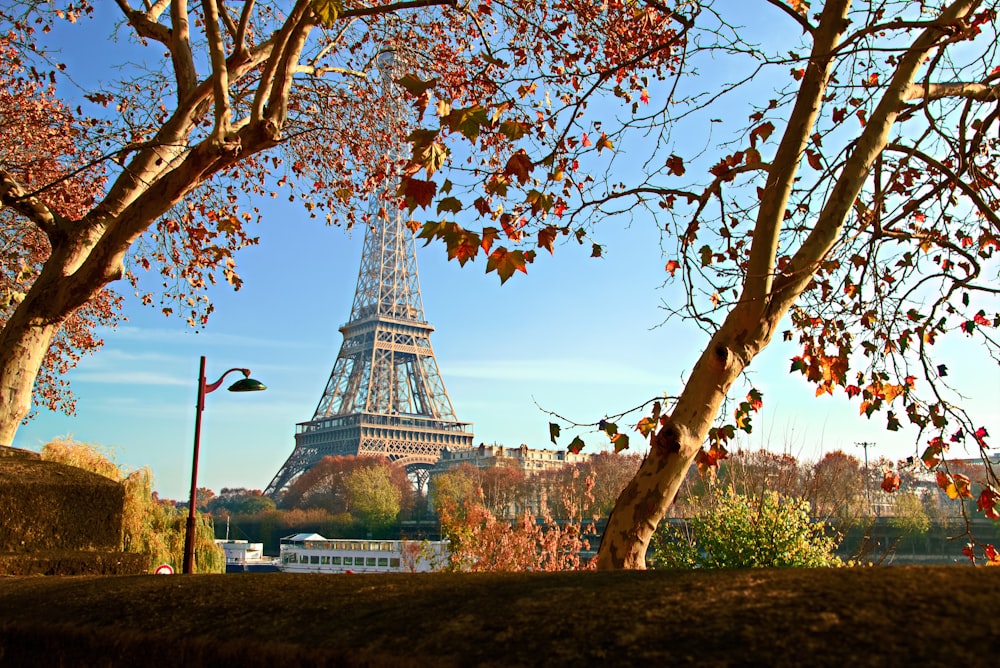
[(578, 336)]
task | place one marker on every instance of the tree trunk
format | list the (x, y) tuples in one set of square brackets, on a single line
[(644, 501), (22, 349)]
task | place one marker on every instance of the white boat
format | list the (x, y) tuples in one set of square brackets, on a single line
[(245, 557), (312, 553)]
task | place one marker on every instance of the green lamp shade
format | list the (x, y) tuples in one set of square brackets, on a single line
[(247, 385)]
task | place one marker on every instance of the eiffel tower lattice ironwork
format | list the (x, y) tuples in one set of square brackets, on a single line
[(385, 395)]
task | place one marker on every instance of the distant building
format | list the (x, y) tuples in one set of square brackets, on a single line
[(526, 459)]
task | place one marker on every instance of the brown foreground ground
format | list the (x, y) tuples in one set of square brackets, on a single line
[(913, 616)]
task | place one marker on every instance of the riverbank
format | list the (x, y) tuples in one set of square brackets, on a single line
[(923, 616)]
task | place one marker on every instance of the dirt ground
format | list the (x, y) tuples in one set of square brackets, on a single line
[(919, 616)]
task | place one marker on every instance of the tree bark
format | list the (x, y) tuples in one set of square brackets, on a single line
[(767, 296)]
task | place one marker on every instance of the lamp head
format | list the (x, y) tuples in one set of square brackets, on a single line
[(247, 385)]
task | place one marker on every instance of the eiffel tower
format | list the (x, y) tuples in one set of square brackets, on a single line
[(385, 395)]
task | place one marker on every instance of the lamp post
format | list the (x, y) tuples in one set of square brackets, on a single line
[(246, 384)]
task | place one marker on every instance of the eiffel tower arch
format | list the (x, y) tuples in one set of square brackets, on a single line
[(385, 395)]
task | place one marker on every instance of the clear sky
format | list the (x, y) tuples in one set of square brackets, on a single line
[(578, 336)]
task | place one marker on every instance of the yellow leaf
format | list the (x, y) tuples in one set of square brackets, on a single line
[(327, 11)]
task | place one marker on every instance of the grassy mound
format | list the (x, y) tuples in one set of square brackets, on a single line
[(58, 519)]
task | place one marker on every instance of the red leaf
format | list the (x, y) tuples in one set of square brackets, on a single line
[(672, 266), (987, 503), (416, 192), (890, 482), (763, 131), (675, 165)]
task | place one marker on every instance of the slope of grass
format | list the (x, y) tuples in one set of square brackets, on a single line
[(826, 617)]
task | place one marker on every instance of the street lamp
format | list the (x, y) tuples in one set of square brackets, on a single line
[(246, 384)]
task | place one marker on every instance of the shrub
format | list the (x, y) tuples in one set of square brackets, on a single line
[(736, 531)]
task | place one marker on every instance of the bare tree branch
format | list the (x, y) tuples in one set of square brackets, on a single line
[(220, 75)]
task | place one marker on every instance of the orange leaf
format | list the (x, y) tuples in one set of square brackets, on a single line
[(505, 262), (547, 237), (890, 483)]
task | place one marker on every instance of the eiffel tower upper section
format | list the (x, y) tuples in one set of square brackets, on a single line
[(386, 364), (385, 395)]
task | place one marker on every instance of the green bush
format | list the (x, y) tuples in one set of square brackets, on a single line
[(736, 531)]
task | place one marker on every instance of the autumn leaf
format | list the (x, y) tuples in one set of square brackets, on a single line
[(416, 192), (462, 244), (505, 262), (932, 455), (706, 255), (987, 503), (415, 85), (327, 11), (519, 166), (620, 441), (490, 234), (799, 7), (449, 205), (539, 201), (554, 430), (647, 426), (762, 131), (955, 485), (576, 445), (431, 157), (604, 143), (992, 555), (512, 228), (513, 130), (497, 185), (469, 121), (708, 460), (675, 165), (814, 159), (547, 236), (890, 482), (672, 266)]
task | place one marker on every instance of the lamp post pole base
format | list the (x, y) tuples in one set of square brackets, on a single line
[(189, 545)]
